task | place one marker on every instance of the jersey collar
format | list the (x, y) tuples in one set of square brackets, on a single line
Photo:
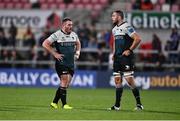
[(64, 32), (121, 24)]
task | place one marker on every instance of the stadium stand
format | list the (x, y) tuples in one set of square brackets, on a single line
[(54, 4), (93, 26)]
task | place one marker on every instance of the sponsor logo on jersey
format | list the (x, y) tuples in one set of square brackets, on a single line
[(130, 29), (63, 39), (127, 67), (118, 37)]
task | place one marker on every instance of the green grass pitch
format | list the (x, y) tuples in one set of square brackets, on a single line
[(89, 104)]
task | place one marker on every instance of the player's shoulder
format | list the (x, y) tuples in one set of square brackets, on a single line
[(114, 28), (73, 33), (122, 25), (125, 25), (128, 28), (58, 32)]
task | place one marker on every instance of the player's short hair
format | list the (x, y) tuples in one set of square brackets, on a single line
[(66, 19), (120, 13)]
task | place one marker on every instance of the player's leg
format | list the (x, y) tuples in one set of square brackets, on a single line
[(130, 79), (70, 75), (65, 81), (119, 91), (128, 74), (59, 92), (63, 92), (69, 78), (59, 71)]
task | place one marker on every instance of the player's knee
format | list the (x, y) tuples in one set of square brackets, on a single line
[(131, 84), (63, 77), (63, 83), (118, 85), (118, 82)]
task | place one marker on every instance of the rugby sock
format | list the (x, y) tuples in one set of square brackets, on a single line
[(57, 96), (63, 95), (118, 96), (136, 95)]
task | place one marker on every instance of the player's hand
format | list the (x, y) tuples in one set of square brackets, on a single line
[(126, 53), (58, 56), (113, 57), (77, 54)]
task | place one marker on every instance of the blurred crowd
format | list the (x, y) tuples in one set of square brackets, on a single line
[(169, 53), (30, 47), (157, 5), (93, 40), (96, 44)]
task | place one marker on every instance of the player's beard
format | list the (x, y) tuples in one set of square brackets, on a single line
[(115, 23), (68, 31)]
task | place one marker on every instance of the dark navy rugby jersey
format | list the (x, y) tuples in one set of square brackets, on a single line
[(122, 34), (65, 44)]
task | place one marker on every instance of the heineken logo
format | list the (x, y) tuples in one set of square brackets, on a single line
[(154, 20)]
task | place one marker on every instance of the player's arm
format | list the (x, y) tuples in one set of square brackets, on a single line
[(48, 46), (113, 47), (78, 49), (136, 41)]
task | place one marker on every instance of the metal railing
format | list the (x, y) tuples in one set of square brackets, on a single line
[(138, 64)]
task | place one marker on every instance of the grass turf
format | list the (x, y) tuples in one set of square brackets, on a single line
[(89, 104)]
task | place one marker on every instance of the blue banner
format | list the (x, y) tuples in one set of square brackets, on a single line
[(44, 78), (86, 79), (144, 80)]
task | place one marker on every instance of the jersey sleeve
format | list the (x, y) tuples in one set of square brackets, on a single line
[(52, 38), (76, 36), (130, 30)]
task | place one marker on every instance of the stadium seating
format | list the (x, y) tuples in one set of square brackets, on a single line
[(51, 4), (161, 2), (62, 6), (159, 5), (175, 8), (165, 7), (128, 6)]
